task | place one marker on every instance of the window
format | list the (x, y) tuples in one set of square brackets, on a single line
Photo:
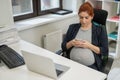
[(49, 4), (23, 9)]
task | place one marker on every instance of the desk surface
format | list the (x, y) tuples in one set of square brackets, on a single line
[(76, 71)]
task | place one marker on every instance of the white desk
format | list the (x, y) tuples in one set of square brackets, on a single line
[(76, 71)]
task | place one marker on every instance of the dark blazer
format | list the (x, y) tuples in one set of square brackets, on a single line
[(99, 38)]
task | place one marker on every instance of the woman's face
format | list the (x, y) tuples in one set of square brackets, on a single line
[(85, 18)]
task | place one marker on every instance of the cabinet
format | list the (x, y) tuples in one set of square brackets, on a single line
[(112, 25)]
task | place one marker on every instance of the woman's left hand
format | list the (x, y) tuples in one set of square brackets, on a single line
[(84, 44)]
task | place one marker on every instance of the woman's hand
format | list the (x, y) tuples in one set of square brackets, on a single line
[(78, 43), (83, 44)]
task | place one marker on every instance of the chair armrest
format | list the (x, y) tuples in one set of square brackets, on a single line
[(60, 52), (108, 65)]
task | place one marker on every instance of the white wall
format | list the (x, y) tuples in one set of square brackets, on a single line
[(6, 13)]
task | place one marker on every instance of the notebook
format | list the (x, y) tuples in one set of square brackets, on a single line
[(43, 65)]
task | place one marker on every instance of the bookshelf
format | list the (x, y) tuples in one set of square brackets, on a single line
[(113, 23)]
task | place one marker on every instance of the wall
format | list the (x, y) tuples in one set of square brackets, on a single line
[(6, 18)]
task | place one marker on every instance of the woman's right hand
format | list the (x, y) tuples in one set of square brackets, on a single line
[(75, 43)]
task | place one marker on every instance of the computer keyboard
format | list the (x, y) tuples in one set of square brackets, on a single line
[(10, 57)]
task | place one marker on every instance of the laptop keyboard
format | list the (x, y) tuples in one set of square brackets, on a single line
[(10, 57), (58, 72)]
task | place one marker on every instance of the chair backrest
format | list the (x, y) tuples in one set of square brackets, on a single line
[(100, 16)]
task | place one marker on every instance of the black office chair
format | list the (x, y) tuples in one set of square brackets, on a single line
[(100, 17)]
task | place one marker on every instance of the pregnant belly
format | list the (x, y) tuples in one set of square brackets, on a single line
[(82, 55)]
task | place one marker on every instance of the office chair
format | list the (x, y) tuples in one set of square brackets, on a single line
[(100, 17)]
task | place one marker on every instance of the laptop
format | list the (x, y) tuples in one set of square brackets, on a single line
[(43, 65)]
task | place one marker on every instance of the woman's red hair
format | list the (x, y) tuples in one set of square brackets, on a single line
[(86, 7)]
